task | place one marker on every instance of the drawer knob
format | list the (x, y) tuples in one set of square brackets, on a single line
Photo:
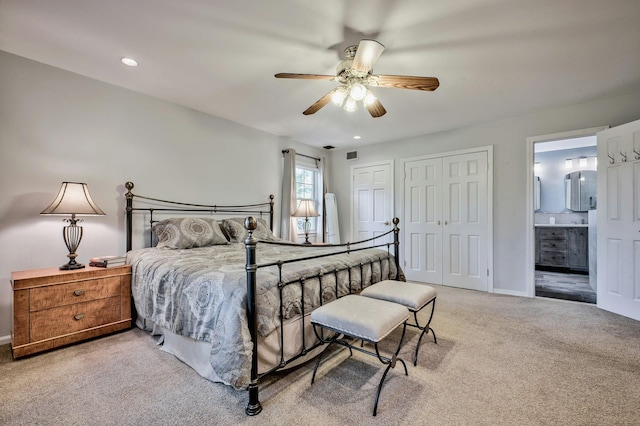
[(78, 317), (78, 292)]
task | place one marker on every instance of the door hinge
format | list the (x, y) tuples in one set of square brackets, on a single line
[(487, 272)]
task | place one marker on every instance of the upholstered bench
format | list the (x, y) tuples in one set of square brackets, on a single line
[(414, 296), (362, 318)]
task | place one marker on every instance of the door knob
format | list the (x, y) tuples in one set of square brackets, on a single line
[(438, 222), (386, 222)]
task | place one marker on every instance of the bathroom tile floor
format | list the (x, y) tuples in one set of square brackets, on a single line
[(564, 286)]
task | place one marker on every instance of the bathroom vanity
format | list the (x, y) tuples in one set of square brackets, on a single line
[(563, 247)]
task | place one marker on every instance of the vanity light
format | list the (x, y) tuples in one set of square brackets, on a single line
[(357, 137), (129, 62), (583, 162)]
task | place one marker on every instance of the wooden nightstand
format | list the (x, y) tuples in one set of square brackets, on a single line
[(52, 308)]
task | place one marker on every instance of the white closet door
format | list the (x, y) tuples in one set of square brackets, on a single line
[(618, 229), (465, 220), (423, 220), (446, 211)]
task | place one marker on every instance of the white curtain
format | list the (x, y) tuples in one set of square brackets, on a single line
[(324, 188), (288, 229)]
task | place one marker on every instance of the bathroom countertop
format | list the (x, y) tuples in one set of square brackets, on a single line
[(564, 225)]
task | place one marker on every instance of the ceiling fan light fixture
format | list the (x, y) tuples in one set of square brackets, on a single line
[(350, 104), (357, 91), (369, 99), (339, 96), (355, 75)]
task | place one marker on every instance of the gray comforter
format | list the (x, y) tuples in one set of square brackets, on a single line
[(201, 293)]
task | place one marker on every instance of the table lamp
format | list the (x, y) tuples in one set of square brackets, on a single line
[(306, 210), (73, 199)]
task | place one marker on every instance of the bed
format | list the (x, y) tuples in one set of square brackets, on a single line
[(229, 298)]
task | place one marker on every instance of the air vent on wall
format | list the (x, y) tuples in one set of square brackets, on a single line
[(352, 155)]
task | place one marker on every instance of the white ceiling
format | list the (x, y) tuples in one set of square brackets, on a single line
[(494, 58)]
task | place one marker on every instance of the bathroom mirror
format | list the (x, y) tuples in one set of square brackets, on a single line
[(536, 193), (580, 190)]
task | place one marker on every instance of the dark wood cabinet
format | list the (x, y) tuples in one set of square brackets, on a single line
[(578, 248), (563, 248)]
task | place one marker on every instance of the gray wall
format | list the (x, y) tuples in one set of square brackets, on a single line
[(57, 126), (509, 138)]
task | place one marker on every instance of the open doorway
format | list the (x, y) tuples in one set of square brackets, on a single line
[(563, 215)]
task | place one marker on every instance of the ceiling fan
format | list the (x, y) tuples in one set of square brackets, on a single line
[(355, 75)]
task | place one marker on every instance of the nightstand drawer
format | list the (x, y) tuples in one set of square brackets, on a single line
[(54, 322), (76, 292)]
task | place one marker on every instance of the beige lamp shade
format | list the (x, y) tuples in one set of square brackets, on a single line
[(305, 209), (73, 199)]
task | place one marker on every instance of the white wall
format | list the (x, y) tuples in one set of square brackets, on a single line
[(57, 126), (508, 136)]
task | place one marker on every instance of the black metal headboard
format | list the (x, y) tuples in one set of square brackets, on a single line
[(175, 206)]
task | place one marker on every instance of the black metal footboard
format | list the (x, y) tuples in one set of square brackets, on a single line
[(254, 406), (154, 209)]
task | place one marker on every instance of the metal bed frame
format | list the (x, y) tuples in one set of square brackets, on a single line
[(160, 206)]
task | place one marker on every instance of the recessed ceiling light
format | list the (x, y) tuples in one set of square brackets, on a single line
[(357, 137), (129, 62)]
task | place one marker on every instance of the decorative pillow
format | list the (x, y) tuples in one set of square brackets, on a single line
[(188, 232), (237, 233)]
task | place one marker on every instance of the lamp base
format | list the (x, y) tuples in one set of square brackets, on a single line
[(306, 242), (71, 266)]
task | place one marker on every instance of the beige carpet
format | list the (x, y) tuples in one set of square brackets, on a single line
[(499, 360)]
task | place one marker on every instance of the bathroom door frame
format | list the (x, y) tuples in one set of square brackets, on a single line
[(530, 234)]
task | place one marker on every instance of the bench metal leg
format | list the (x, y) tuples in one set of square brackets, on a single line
[(390, 362), (426, 329)]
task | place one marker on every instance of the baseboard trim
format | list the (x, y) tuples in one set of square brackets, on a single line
[(4, 340), (510, 292)]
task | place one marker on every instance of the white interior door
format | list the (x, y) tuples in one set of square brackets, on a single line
[(618, 224), (372, 200), (423, 220), (447, 226)]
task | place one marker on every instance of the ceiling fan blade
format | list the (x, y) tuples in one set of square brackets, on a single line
[(408, 82), (376, 109), (366, 55), (305, 76), (319, 104)]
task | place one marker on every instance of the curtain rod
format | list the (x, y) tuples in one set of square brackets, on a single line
[(302, 155)]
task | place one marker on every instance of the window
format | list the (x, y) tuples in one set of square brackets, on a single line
[(308, 186)]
